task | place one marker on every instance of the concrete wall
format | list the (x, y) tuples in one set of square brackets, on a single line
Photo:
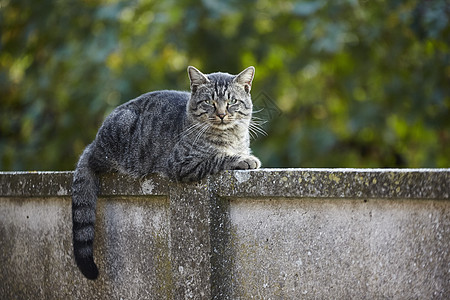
[(265, 234)]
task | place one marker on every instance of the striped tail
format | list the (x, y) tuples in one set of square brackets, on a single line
[(84, 200)]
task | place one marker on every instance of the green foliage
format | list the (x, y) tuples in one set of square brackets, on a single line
[(341, 83)]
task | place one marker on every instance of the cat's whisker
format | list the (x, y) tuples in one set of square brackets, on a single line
[(258, 122), (201, 132), (254, 130), (257, 129), (190, 130), (252, 135), (258, 119), (205, 130)]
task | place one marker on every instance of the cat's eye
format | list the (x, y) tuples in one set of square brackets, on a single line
[(233, 101), (208, 101)]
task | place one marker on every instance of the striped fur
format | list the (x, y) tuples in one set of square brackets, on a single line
[(184, 136)]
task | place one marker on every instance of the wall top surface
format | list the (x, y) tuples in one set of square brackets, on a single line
[(315, 183)]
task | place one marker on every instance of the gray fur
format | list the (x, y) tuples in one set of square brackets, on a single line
[(184, 136)]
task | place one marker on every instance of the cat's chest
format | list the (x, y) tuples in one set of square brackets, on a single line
[(233, 148), (229, 142)]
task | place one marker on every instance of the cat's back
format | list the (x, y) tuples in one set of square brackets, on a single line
[(166, 100), (151, 112), (156, 112), (139, 134)]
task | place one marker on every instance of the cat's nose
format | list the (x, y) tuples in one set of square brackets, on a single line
[(221, 116)]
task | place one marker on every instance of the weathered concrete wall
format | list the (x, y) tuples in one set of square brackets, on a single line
[(292, 248), (266, 234)]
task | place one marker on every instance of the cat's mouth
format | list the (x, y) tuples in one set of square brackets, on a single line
[(222, 124)]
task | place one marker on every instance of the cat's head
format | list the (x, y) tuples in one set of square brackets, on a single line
[(221, 99)]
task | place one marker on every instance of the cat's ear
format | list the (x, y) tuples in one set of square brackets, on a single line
[(245, 78), (196, 77)]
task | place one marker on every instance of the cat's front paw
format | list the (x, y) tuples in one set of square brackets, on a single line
[(248, 163)]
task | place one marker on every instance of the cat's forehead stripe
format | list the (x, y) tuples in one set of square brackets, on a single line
[(220, 88)]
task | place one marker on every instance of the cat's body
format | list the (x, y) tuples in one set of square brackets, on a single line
[(184, 136)]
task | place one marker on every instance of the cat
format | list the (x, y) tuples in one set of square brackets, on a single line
[(184, 136)]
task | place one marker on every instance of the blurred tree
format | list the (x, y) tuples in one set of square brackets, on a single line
[(341, 84)]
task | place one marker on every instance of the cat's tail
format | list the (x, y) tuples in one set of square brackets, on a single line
[(84, 199)]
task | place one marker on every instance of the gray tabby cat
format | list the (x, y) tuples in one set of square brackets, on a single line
[(184, 136)]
